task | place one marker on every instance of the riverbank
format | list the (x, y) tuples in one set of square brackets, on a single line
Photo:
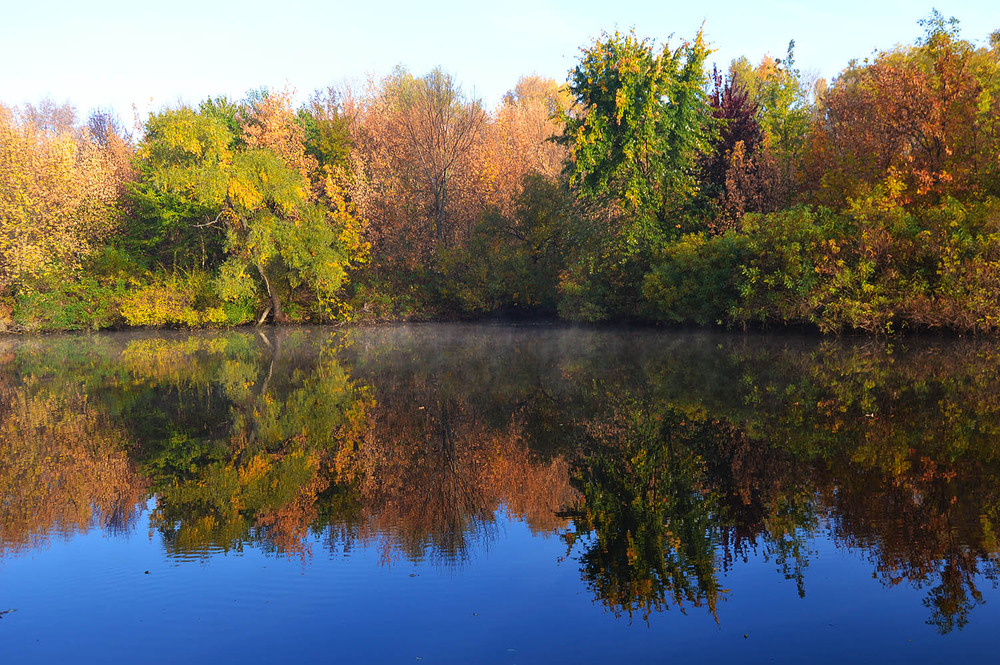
[(739, 199)]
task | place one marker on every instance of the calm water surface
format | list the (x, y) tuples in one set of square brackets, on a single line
[(497, 494)]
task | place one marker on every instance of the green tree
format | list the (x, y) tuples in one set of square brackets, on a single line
[(512, 261), (327, 126), (640, 122), (194, 176), (647, 528), (639, 125)]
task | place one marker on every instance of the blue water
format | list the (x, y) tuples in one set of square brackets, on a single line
[(516, 600)]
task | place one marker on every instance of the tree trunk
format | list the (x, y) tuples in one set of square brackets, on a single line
[(279, 315), (438, 212)]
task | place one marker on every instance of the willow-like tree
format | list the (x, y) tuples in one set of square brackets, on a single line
[(257, 192)]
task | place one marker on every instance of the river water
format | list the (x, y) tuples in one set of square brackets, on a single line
[(497, 494)]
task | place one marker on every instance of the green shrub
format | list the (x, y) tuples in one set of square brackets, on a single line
[(77, 302), (695, 279)]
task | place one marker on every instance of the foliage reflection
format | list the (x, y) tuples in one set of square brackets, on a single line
[(662, 461)]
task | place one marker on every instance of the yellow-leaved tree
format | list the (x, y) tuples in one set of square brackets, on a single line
[(59, 188)]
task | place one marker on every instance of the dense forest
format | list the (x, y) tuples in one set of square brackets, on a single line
[(647, 187)]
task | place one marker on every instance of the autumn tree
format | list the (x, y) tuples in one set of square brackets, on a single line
[(784, 101), (924, 116), (732, 169), (117, 146), (414, 137), (50, 116), (512, 256), (520, 139), (439, 128), (259, 195), (59, 187)]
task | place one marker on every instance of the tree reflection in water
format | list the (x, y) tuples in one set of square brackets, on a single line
[(663, 460)]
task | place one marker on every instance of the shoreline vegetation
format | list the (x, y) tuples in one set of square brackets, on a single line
[(648, 187)]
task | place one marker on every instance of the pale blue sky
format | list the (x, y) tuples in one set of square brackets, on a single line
[(116, 52)]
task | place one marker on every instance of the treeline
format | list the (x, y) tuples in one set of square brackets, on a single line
[(644, 188)]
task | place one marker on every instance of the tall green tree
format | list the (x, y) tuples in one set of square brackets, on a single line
[(640, 122), (636, 133)]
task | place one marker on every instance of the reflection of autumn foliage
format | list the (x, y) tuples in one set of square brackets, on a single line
[(425, 477), (763, 503), (664, 461), (531, 489), (251, 439), (63, 467), (896, 449), (293, 411), (287, 525), (676, 493), (266, 498), (925, 527), (647, 522), (433, 476)]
